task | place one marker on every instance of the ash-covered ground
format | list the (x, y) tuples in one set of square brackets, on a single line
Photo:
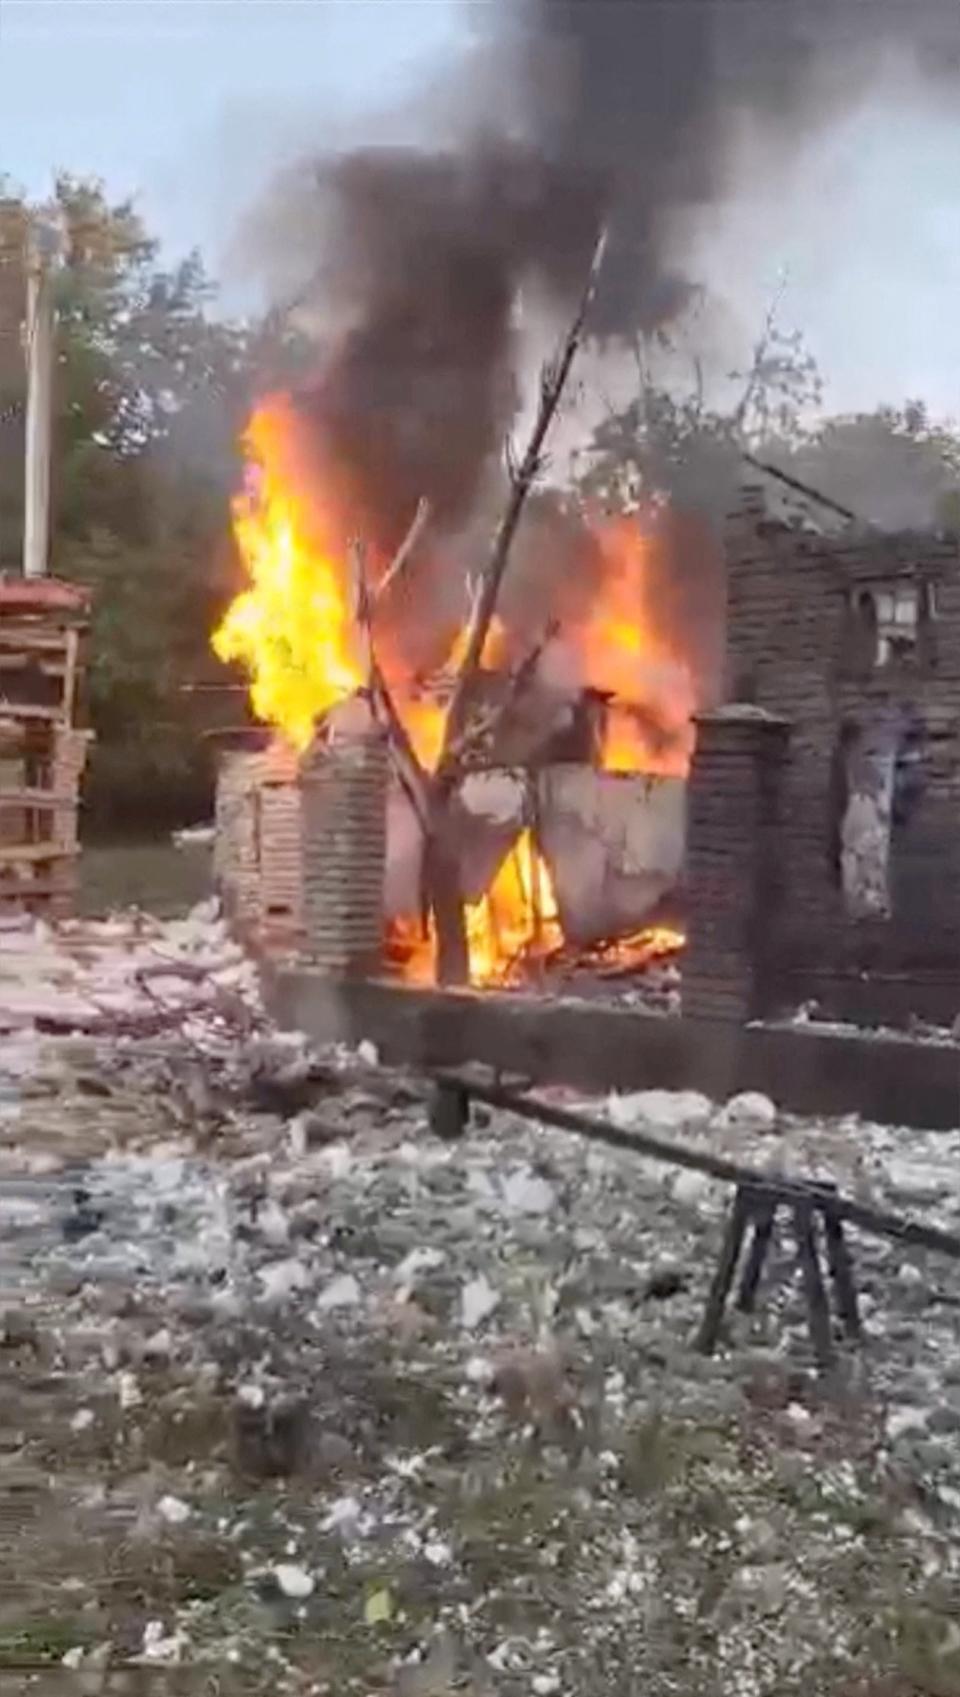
[(298, 1399)]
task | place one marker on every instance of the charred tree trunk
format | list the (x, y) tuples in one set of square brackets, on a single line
[(445, 892), (441, 847), (433, 797), (553, 381)]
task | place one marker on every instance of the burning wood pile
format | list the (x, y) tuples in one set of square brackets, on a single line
[(535, 794)]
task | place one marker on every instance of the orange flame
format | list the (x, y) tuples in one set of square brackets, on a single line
[(515, 924), (511, 937), (294, 629), (425, 721), (424, 709), (518, 918), (495, 647), (649, 725)]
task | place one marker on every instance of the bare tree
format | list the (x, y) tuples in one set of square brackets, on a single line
[(433, 794)]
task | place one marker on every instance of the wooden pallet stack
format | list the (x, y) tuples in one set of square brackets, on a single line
[(42, 749)]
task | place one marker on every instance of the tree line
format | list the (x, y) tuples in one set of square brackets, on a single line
[(151, 389)]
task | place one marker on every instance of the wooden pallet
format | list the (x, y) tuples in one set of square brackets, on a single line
[(40, 761)]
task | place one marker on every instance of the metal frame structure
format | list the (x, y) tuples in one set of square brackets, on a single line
[(815, 1209)]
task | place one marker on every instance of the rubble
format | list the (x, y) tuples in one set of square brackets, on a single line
[(382, 1413), (126, 975)]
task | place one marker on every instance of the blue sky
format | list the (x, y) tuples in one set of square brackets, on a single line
[(192, 104)]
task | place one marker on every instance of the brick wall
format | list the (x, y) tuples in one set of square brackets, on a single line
[(257, 849), (734, 870), (235, 869), (300, 850), (795, 650), (344, 823), (280, 895)]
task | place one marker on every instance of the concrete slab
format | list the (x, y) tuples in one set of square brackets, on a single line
[(892, 1080)]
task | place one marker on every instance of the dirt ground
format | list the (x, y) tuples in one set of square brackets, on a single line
[(296, 1398)]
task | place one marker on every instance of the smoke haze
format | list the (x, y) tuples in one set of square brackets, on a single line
[(627, 113)]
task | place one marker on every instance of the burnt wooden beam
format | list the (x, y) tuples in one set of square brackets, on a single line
[(801, 488)]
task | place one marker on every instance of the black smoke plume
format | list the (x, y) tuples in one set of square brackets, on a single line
[(649, 95), (427, 252), (624, 112)]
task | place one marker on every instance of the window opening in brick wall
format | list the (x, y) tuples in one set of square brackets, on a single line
[(868, 753), (898, 622), (889, 626), (861, 635)]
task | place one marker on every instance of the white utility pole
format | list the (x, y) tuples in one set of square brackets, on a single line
[(41, 247)]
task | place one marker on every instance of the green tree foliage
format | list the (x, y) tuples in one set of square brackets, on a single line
[(894, 468), (669, 445), (151, 391)]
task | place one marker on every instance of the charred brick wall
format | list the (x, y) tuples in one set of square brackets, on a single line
[(800, 646), (733, 862)]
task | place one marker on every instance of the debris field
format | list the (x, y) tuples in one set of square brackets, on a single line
[(298, 1398)]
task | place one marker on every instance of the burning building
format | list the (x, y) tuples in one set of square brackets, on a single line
[(812, 839), (413, 267), (415, 270), (569, 807)]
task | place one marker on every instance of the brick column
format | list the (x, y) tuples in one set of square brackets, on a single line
[(236, 867), (279, 918), (344, 823), (734, 862)]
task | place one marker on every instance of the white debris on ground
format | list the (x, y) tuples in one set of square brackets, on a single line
[(809, 1018), (126, 973), (305, 1400)]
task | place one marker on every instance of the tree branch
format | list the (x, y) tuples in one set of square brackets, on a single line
[(759, 355), (483, 727), (552, 383), (409, 770), (421, 518)]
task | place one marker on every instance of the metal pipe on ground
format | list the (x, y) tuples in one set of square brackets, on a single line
[(876, 1221)]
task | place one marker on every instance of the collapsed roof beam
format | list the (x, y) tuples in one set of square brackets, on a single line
[(801, 488)]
